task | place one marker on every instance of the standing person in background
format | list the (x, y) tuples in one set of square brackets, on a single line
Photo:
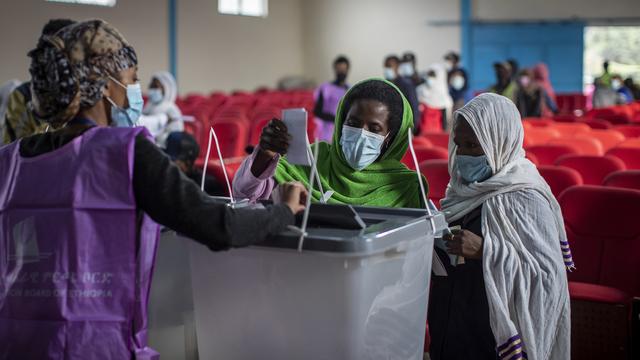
[(391, 66), (529, 96), (435, 93), (161, 114), (604, 80), (635, 89), (625, 96), (541, 77), (408, 69), (19, 120), (5, 91), (327, 96), (515, 68), (504, 85), (457, 79)]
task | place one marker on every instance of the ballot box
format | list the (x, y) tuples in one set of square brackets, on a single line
[(357, 290)]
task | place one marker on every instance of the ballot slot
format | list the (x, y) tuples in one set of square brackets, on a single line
[(333, 216)]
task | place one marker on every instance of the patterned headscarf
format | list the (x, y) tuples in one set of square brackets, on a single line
[(70, 69)]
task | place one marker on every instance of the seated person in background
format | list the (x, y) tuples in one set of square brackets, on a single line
[(635, 89), (183, 149), (362, 166), (392, 74), (530, 96), (19, 120), (504, 85), (161, 114), (625, 96), (509, 298), (327, 96)]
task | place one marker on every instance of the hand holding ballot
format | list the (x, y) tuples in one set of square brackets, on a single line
[(464, 243), (275, 138)]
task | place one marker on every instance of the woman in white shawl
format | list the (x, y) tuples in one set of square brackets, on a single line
[(509, 298), (435, 92), (161, 114)]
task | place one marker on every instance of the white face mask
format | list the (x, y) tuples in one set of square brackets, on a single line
[(406, 69), (360, 147), (389, 73), (525, 81), (457, 82), (616, 84), (431, 81)]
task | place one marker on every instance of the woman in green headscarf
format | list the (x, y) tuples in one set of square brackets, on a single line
[(361, 167)]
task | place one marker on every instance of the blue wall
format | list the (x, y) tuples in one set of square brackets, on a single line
[(559, 45)]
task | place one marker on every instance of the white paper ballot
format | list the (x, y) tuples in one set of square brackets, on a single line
[(296, 121)]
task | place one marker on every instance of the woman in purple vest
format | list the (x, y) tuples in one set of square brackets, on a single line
[(79, 207)]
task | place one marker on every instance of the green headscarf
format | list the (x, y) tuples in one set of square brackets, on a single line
[(386, 183)]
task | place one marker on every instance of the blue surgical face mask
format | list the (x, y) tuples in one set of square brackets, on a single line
[(155, 96), (473, 168), (127, 117), (360, 147)]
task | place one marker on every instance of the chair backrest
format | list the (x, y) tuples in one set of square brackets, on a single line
[(537, 122), (608, 138), (232, 136), (533, 158), (440, 139), (540, 135), (597, 124), (560, 178), (582, 145), (571, 129), (422, 141), (603, 231), (437, 174), (431, 119), (425, 153), (629, 155), (627, 179), (548, 154), (593, 169), (630, 131)]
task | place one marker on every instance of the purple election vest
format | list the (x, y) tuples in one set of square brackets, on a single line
[(331, 95), (76, 257)]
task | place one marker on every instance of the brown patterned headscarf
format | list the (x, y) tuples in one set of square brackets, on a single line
[(70, 69)]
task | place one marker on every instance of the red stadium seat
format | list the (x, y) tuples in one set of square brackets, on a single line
[(540, 135), (630, 156), (548, 154), (593, 169), (437, 174), (440, 139), (537, 122), (422, 141), (423, 154), (560, 178), (608, 138), (602, 226), (571, 129), (232, 136), (582, 145), (597, 124), (195, 129), (214, 168), (566, 118), (627, 179), (629, 131)]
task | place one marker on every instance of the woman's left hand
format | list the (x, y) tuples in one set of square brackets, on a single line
[(464, 243)]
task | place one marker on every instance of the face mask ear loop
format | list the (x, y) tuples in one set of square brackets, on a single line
[(424, 193), (117, 82)]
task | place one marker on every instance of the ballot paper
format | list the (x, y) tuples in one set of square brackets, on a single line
[(441, 244), (296, 121)]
